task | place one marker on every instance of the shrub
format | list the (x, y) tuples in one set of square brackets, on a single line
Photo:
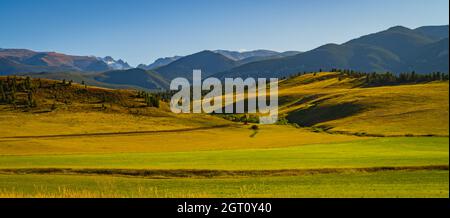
[(254, 127)]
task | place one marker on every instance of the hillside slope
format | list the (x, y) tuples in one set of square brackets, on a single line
[(91, 104), (344, 104), (326, 101), (135, 78)]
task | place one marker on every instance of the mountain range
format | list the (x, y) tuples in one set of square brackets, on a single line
[(115, 65), (13, 61), (159, 63), (240, 57), (397, 49)]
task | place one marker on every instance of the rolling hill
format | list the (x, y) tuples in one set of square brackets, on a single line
[(343, 104), (78, 141)]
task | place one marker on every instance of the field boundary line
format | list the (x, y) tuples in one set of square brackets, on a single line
[(204, 173), (119, 133)]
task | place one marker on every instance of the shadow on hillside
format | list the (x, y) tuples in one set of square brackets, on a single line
[(319, 114)]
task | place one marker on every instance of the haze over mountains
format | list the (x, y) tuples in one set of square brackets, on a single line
[(397, 49)]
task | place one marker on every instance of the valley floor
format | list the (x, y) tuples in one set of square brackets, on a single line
[(86, 152), (402, 184)]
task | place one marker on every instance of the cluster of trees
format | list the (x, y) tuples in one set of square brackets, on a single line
[(386, 78), (390, 78), (299, 74), (165, 95), (7, 92), (243, 118), (11, 86), (152, 100)]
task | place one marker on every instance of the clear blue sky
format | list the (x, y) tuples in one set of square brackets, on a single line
[(140, 31)]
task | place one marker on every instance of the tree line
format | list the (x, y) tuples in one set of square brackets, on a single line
[(388, 78), (152, 100), (11, 86)]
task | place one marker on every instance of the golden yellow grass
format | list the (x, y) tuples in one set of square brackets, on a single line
[(416, 109), (413, 109), (83, 116), (235, 136), (68, 122), (391, 110)]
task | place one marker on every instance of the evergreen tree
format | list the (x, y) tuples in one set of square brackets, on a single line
[(2, 92), (31, 100), (13, 86), (28, 83)]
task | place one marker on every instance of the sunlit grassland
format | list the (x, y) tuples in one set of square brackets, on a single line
[(376, 152), (78, 138), (84, 122), (412, 109), (379, 184), (234, 136)]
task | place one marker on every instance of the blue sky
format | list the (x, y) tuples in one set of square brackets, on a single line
[(140, 31)]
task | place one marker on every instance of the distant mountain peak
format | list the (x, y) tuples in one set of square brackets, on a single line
[(399, 28), (437, 32), (159, 63), (115, 65), (14, 61), (237, 56), (209, 62), (108, 58)]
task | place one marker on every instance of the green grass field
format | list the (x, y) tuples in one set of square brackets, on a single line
[(82, 149), (380, 184), (378, 152), (350, 182)]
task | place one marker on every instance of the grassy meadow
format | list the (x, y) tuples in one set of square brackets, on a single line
[(349, 185), (348, 141), (379, 152), (346, 106)]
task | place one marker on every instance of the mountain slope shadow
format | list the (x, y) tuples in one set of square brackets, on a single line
[(320, 114)]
